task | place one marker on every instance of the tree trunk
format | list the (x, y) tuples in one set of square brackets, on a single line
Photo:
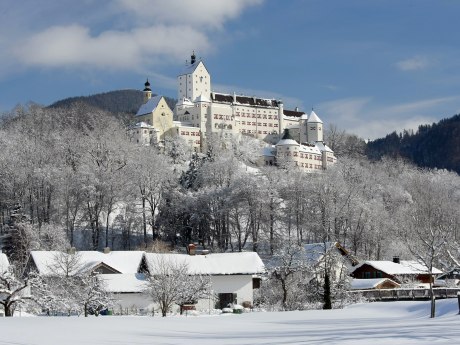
[(327, 292), (433, 300), (86, 310), (8, 309)]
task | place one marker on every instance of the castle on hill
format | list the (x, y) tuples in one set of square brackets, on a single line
[(292, 137)]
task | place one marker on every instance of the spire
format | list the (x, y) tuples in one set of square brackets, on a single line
[(314, 118), (147, 91), (147, 85), (193, 58)]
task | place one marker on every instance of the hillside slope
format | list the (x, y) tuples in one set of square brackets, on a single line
[(115, 102), (432, 146)]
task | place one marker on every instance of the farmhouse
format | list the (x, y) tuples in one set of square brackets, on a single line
[(231, 274), (396, 270)]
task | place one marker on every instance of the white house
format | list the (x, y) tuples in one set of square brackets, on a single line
[(121, 271), (231, 274)]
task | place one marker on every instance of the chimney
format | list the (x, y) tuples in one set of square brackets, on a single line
[(396, 259), (106, 250), (191, 249), (296, 108), (72, 250)]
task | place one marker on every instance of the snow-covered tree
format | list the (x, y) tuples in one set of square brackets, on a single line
[(12, 290), (171, 283), (291, 270)]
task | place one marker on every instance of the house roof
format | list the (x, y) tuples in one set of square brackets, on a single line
[(315, 251), (211, 264), (314, 118), (128, 282), (403, 268), (244, 100), (192, 67), (143, 125), (362, 284), (293, 113), (149, 106), (121, 261), (4, 263), (323, 147), (202, 98)]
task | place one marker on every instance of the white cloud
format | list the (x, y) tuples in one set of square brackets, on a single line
[(207, 13), (361, 116), (120, 34), (70, 46), (413, 64)]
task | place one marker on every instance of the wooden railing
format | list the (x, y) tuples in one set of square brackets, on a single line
[(406, 294)]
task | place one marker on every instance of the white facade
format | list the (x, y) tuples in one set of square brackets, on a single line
[(232, 115)]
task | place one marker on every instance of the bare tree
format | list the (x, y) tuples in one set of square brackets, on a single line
[(171, 283), (431, 223)]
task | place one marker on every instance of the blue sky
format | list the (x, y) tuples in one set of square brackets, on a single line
[(369, 67)]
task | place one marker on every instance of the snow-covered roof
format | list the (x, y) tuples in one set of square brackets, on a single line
[(287, 142), (269, 151), (128, 282), (314, 118), (185, 102), (362, 284), (202, 98), (149, 106), (46, 262), (191, 68), (404, 267), (211, 264), (4, 263), (323, 147), (310, 149), (304, 117), (143, 125), (315, 251)]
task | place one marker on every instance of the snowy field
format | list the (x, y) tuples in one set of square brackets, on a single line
[(372, 323)]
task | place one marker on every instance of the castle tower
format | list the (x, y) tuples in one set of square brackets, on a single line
[(194, 80), (147, 91), (303, 128), (280, 118), (314, 128)]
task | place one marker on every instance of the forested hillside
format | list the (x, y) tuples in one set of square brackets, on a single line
[(121, 103), (432, 146)]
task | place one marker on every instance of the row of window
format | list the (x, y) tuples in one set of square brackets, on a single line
[(249, 131), (258, 116), (308, 156), (264, 124), (222, 117), (253, 110), (190, 133)]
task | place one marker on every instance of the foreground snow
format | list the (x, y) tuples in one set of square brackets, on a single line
[(372, 323)]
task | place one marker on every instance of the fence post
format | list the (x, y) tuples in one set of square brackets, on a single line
[(458, 298)]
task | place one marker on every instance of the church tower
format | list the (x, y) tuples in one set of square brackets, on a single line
[(147, 91), (314, 128)]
